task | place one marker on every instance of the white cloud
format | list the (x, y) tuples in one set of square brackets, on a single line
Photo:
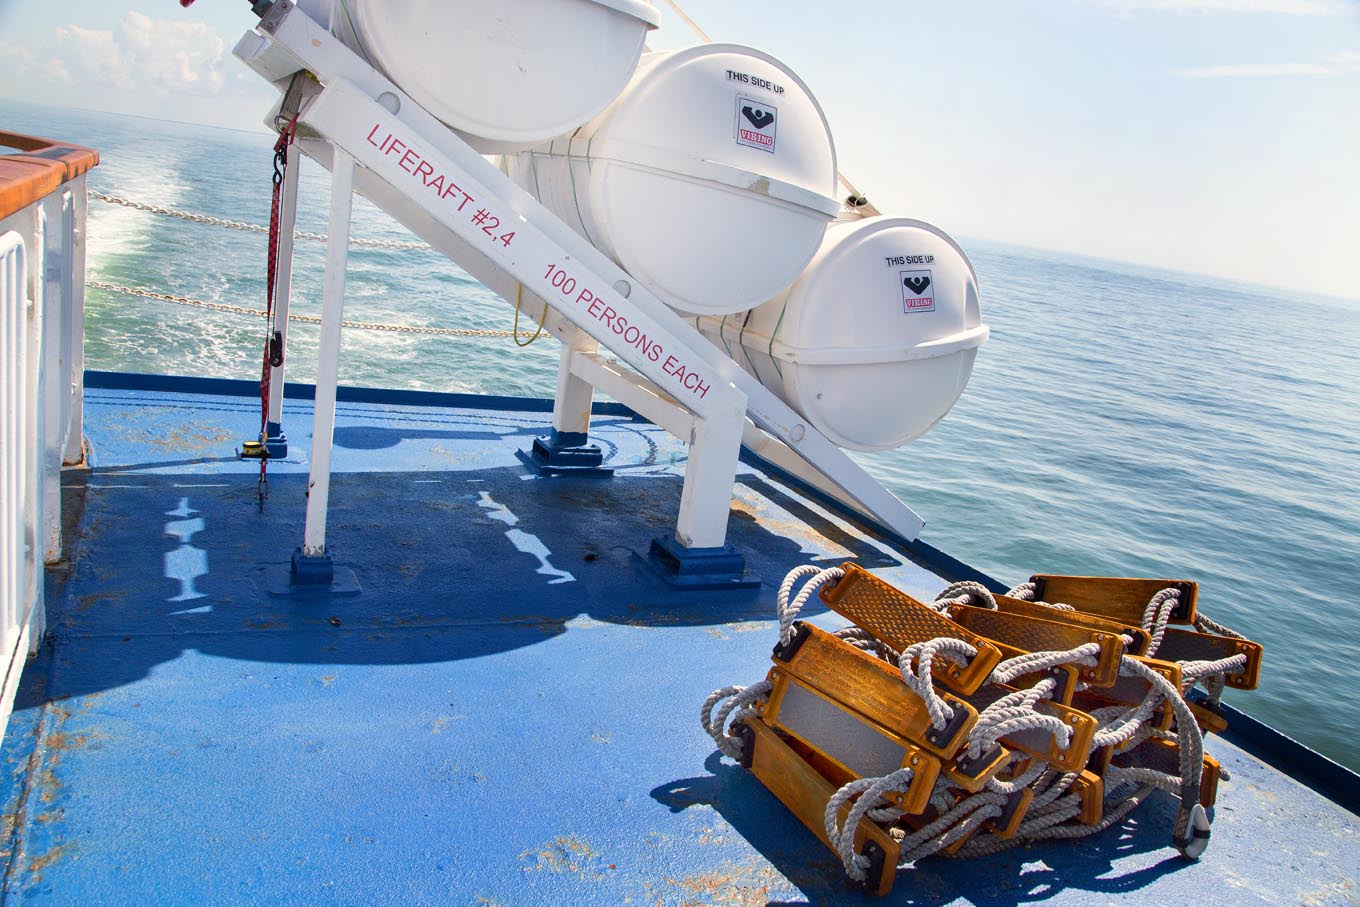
[(94, 53), (1348, 60), (16, 59), (157, 56), (58, 71), (133, 63), (1251, 70), (1282, 7), (1339, 64)]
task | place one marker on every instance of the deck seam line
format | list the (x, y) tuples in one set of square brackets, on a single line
[(32, 767)]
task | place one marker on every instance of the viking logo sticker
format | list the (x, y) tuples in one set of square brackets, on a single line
[(757, 118), (756, 124), (918, 292), (917, 284)]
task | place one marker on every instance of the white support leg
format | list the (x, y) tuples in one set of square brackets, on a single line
[(568, 449), (275, 441), (709, 476), (571, 405), (328, 359), (698, 557)]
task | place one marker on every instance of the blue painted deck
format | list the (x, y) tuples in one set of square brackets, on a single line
[(507, 714)]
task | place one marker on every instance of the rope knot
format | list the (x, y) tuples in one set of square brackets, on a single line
[(920, 679), (736, 699), (870, 792), (967, 593), (813, 578), (1158, 614)]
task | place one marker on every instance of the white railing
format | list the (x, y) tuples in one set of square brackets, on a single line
[(42, 302)]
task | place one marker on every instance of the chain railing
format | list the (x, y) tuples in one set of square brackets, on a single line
[(394, 245), (305, 319), (209, 220)]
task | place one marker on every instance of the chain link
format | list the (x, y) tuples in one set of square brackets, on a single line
[(390, 244), (308, 319)]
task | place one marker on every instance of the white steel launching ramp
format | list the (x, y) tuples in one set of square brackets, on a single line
[(377, 141)]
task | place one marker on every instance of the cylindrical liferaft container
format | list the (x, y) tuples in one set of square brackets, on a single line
[(710, 180), (504, 75), (875, 341)]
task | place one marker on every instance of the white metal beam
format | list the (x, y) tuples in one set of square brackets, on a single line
[(437, 179), (328, 356), (635, 392), (575, 392), (53, 377)]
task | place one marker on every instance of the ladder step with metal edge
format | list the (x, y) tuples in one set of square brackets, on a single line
[(377, 141)]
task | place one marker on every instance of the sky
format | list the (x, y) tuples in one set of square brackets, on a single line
[(1219, 137)]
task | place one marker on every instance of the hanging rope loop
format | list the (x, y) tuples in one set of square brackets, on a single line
[(788, 609)]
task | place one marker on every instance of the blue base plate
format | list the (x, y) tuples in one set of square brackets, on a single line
[(565, 453), (279, 579), (699, 568)]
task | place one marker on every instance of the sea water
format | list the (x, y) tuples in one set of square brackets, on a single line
[(1121, 421)]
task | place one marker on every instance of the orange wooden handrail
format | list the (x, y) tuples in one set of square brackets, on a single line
[(40, 168)]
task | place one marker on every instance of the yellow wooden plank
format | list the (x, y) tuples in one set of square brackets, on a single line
[(1141, 639), (874, 689), (901, 621), (1189, 645), (847, 740), (1122, 598), (806, 794), (1091, 788), (1034, 635)]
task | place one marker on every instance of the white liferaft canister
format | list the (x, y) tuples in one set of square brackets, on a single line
[(875, 341), (503, 75), (710, 179)]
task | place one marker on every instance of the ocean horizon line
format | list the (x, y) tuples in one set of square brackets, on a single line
[(1329, 299)]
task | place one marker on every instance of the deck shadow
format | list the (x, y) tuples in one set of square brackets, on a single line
[(864, 554), (372, 437), (452, 564), (1024, 875), (386, 437)]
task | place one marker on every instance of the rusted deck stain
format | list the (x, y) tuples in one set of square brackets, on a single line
[(58, 742), (181, 440), (564, 854), (750, 884), (40, 863)]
